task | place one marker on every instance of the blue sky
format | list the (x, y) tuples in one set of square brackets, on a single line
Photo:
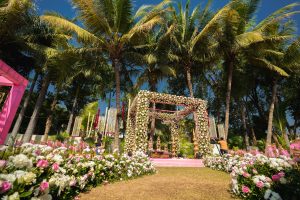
[(64, 7)]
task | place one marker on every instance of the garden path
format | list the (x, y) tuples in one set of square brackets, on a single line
[(168, 184)]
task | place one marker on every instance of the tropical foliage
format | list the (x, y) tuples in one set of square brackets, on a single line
[(113, 48)]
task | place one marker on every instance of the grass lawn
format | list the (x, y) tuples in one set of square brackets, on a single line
[(167, 184)]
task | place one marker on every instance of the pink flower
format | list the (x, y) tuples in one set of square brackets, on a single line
[(72, 182), (44, 186), (245, 189), (42, 164), (2, 163), (55, 167), (268, 179), (275, 177), (281, 174), (260, 184), (5, 186), (38, 152), (254, 171), (246, 175)]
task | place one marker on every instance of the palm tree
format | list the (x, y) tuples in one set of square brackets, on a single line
[(288, 60), (191, 35), (111, 28), (52, 51), (21, 114), (154, 64), (239, 34), (16, 18)]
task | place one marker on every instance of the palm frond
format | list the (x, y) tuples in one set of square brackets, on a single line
[(81, 33), (123, 15), (267, 64), (277, 15), (142, 28), (93, 16), (211, 24)]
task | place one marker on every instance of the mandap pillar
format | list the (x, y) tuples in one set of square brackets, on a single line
[(9, 77), (201, 130), (141, 122)]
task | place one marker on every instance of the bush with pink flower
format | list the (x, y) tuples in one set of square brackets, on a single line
[(256, 176), (55, 171)]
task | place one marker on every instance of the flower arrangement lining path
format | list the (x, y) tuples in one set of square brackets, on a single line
[(167, 184)]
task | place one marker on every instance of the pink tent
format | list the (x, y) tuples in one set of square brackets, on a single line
[(9, 77)]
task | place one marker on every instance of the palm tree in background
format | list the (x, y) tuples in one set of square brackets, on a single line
[(154, 63), (238, 33), (55, 55), (111, 28), (16, 18)]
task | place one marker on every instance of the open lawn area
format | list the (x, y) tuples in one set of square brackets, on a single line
[(168, 183)]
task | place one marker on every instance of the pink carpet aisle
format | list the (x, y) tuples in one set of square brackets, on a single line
[(159, 162)]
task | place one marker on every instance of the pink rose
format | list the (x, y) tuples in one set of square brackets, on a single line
[(245, 189), (42, 164), (260, 184), (281, 174), (38, 152), (72, 183), (275, 177), (44, 186), (246, 175), (5, 186), (2, 163), (55, 167)]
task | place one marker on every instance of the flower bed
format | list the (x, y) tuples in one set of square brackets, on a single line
[(34, 171), (256, 176)]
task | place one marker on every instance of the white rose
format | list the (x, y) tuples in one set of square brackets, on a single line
[(8, 177), (21, 161)]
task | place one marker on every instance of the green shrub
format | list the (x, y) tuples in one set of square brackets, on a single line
[(186, 148), (236, 141), (261, 145), (90, 141), (62, 136)]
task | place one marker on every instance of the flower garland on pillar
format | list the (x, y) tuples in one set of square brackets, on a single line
[(203, 135), (141, 121), (130, 139), (175, 138)]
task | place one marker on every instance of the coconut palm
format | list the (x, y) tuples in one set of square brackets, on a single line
[(54, 52), (239, 34), (155, 65), (110, 28), (16, 18)]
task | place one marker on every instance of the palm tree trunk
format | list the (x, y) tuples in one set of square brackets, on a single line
[(50, 118), (245, 126), (22, 112), (71, 118), (117, 67), (271, 113), (189, 80), (253, 136), (33, 119), (228, 95)]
